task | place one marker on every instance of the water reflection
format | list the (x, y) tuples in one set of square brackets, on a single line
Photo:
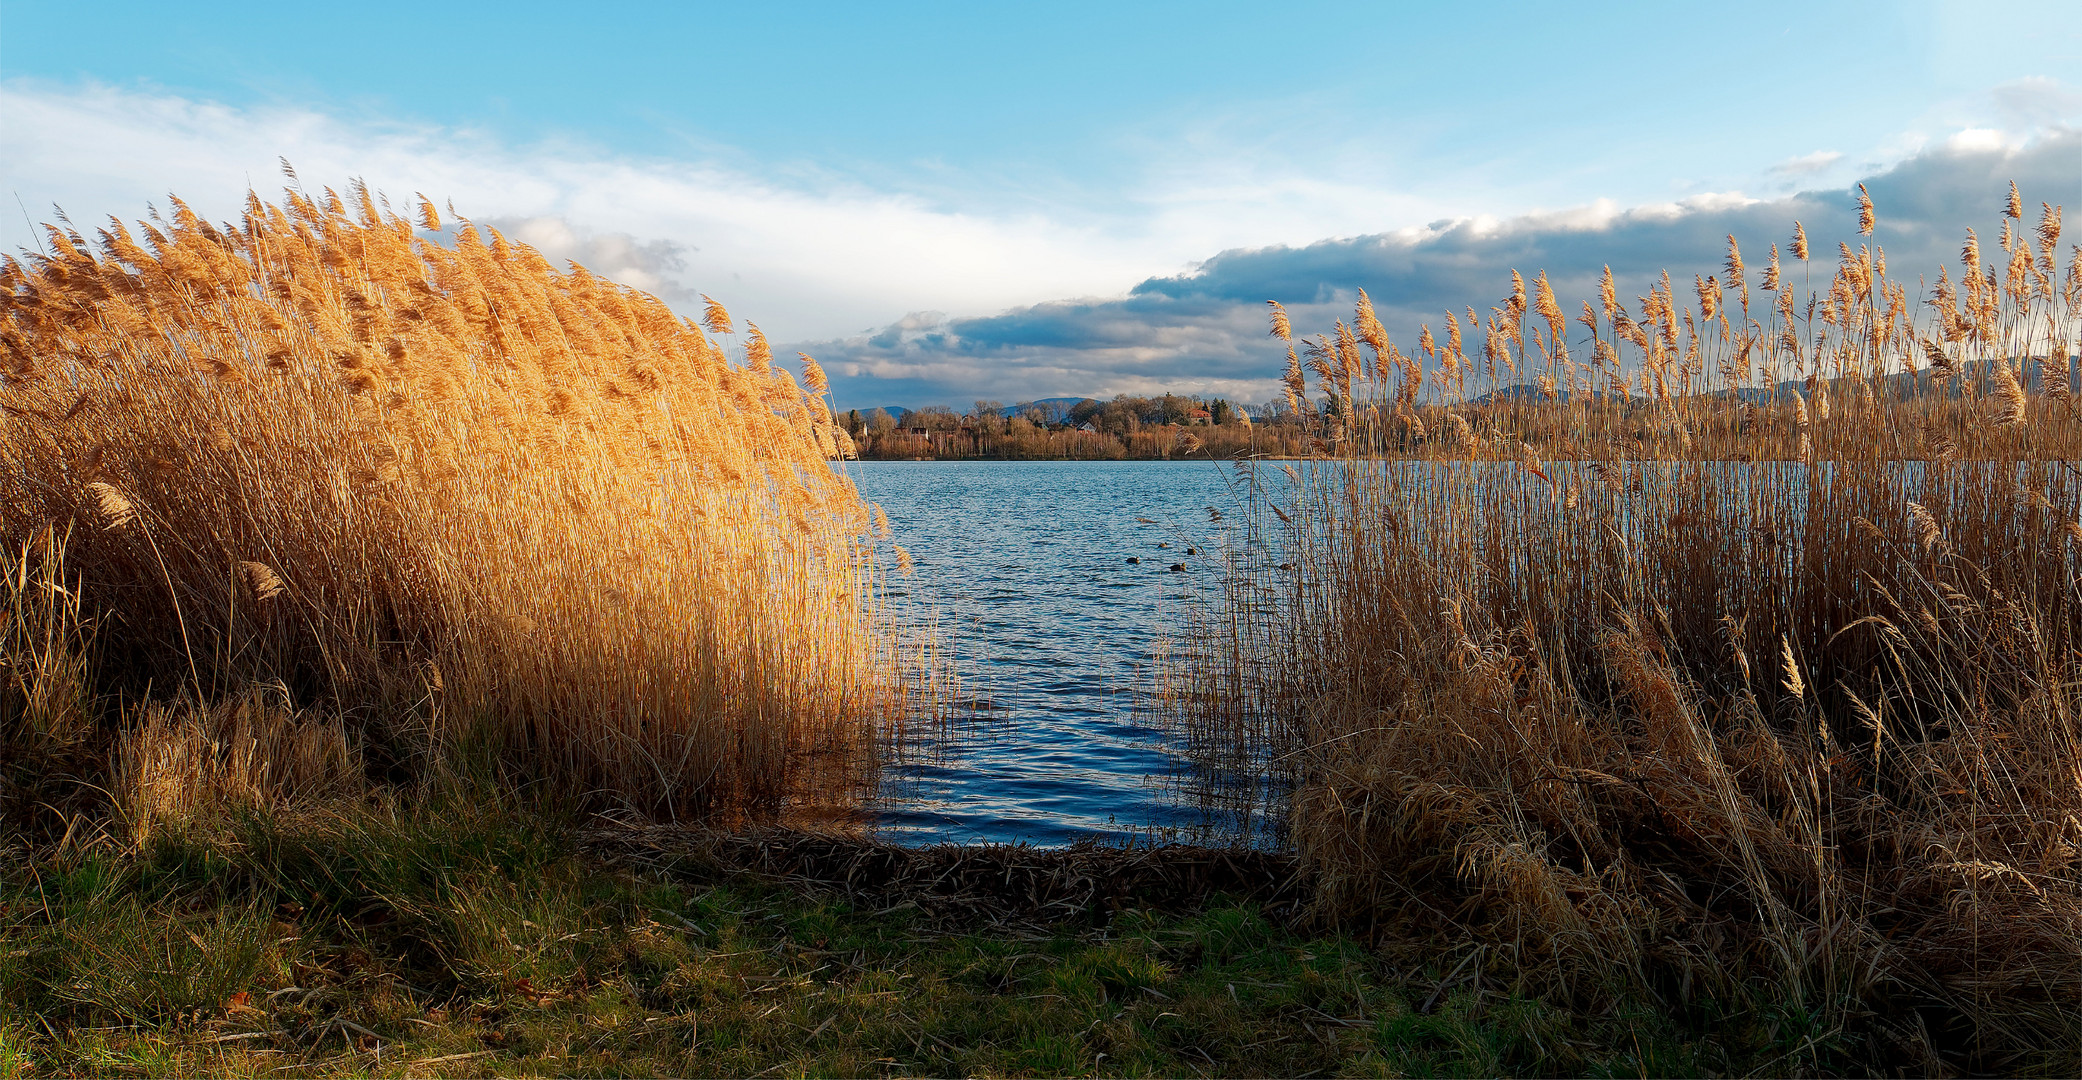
[(1055, 583)]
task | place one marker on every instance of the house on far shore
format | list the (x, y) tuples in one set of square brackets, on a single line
[(1087, 426)]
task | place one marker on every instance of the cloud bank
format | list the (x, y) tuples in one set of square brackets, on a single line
[(804, 255), (1205, 331)]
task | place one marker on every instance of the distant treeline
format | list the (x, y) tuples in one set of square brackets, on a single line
[(1169, 426)]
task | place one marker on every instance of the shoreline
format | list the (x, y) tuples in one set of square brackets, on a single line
[(483, 943)]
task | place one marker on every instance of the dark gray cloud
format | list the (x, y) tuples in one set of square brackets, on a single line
[(1205, 330)]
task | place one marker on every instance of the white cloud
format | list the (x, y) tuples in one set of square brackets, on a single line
[(1808, 164), (2037, 101), (1978, 141), (650, 265), (803, 262)]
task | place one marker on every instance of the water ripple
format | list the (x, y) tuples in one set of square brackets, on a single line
[(1026, 564)]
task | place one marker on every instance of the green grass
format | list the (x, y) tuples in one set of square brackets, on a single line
[(457, 946)]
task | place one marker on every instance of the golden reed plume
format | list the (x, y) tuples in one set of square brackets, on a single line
[(629, 556)]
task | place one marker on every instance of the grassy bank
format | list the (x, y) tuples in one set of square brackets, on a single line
[(473, 942)]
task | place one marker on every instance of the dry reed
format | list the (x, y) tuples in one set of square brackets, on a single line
[(179, 764), (426, 482), (1726, 649)]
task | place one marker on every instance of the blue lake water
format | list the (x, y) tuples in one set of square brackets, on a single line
[(1026, 565)]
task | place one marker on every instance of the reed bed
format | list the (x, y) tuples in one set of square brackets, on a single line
[(408, 476), (1723, 648)]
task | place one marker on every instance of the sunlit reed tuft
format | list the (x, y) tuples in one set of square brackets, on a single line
[(432, 483)]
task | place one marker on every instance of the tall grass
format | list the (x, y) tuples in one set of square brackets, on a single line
[(1725, 647), (421, 481)]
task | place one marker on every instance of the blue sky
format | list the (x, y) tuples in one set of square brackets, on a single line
[(853, 174)]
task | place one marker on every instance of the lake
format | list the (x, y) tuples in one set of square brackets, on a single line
[(1026, 565)]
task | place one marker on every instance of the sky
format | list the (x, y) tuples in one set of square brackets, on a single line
[(952, 202)]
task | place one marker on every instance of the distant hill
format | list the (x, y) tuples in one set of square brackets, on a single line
[(1064, 403), (1009, 410)]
